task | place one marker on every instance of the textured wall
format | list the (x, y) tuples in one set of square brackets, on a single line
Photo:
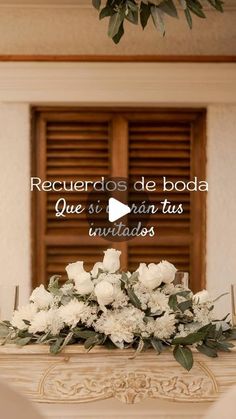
[(76, 30), (15, 202), (221, 210)]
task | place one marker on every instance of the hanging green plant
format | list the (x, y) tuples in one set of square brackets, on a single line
[(137, 11)]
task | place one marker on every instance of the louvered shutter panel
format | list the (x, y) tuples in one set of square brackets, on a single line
[(169, 145), (69, 147)]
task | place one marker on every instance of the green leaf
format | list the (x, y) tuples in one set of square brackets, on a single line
[(157, 345), (173, 303), (119, 34), (224, 346), (96, 4), (94, 340), (189, 339), (23, 341), (195, 8), (132, 16), (56, 346), (158, 19), (184, 356), (168, 7), (212, 353), (133, 298), (114, 24), (105, 12), (145, 13), (188, 18), (4, 330), (84, 334), (185, 305)]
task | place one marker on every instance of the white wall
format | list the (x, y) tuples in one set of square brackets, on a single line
[(14, 202), (221, 208)]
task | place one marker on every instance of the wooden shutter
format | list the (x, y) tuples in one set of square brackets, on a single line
[(73, 144), (172, 145)]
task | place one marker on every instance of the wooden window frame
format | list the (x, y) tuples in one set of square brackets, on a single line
[(198, 116)]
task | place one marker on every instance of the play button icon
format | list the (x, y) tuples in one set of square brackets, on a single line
[(117, 209)]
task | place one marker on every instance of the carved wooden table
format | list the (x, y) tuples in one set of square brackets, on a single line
[(116, 384)]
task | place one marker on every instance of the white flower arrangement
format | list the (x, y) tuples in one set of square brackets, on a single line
[(142, 310)]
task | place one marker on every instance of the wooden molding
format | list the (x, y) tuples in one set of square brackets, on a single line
[(121, 58)]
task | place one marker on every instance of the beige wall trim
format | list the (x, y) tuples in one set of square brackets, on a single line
[(118, 83)]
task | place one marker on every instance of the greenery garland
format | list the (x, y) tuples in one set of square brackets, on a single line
[(136, 11)]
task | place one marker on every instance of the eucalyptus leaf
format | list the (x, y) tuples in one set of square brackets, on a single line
[(56, 346), (4, 330), (23, 341), (157, 345), (133, 298), (212, 353)]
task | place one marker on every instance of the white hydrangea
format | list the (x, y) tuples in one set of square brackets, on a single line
[(41, 297), (121, 325), (76, 311), (26, 312), (158, 302), (202, 313), (164, 326), (67, 289), (120, 298), (47, 321)]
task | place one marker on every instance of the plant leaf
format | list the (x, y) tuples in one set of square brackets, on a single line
[(157, 345), (195, 8), (184, 356), (145, 13), (105, 12), (56, 346), (114, 24), (4, 330), (158, 19), (96, 4), (212, 353), (119, 34), (168, 7), (188, 18), (133, 298)]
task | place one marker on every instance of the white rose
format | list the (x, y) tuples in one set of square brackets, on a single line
[(201, 297), (96, 267), (111, 260), (74, 269), (150, 276), (104, 292), (42, 298), (168, 271), (83, 283)]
